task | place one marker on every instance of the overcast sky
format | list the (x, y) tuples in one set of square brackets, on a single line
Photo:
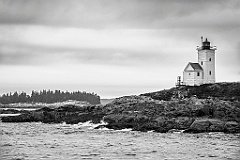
[(112, 47)]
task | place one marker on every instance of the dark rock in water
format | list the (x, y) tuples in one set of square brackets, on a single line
[(12, 111), (216, 125), (69, 114), (183, 122), (83, 117), (121, 121), (179, 123), (45, 109), (232, 127), (26, 117), (201, 125), (144, 123), (206, 125)]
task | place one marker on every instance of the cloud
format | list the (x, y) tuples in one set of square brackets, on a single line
[(121, 14), (41, 45), (44, 45), (40, 55)]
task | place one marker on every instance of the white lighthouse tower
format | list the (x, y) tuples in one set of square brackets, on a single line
[(206, 59)]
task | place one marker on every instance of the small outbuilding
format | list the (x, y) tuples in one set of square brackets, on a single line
[(193, 74)]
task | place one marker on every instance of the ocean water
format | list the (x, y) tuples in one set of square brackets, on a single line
[(34, 141)]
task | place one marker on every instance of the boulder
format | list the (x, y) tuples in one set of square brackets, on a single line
[(232, 127), (121, 121), (179, 123), (216, 125), (206, 125), (183, 122)]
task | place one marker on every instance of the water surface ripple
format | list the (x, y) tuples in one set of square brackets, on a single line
[(33, 141)]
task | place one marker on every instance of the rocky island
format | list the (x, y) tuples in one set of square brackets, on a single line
[(191, 109)]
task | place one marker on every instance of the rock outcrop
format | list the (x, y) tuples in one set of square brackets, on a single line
[(69, 114), (222, 91), (194, 115), (198, 109)]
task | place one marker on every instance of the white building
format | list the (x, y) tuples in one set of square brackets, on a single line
[(202, 72)]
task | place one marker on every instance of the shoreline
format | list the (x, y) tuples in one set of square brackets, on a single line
[(195, 109)]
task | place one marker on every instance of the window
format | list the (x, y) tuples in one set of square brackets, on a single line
[(198, 74), (210, 59), (210, 72), (201, 63)]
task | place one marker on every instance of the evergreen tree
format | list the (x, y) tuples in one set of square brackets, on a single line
[(49, 96)]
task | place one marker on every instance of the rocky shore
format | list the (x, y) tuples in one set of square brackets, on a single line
[(70, 114), (187, 115), (207, 108)]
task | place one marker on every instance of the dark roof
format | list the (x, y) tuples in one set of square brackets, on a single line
[(195, 66)]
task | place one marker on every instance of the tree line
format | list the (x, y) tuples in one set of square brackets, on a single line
[(48, 96)]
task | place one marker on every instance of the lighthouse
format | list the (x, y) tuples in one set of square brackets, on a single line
[(206, 59), (203, 72)]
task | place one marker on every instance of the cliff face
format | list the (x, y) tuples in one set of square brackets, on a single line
[(207, 108)]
